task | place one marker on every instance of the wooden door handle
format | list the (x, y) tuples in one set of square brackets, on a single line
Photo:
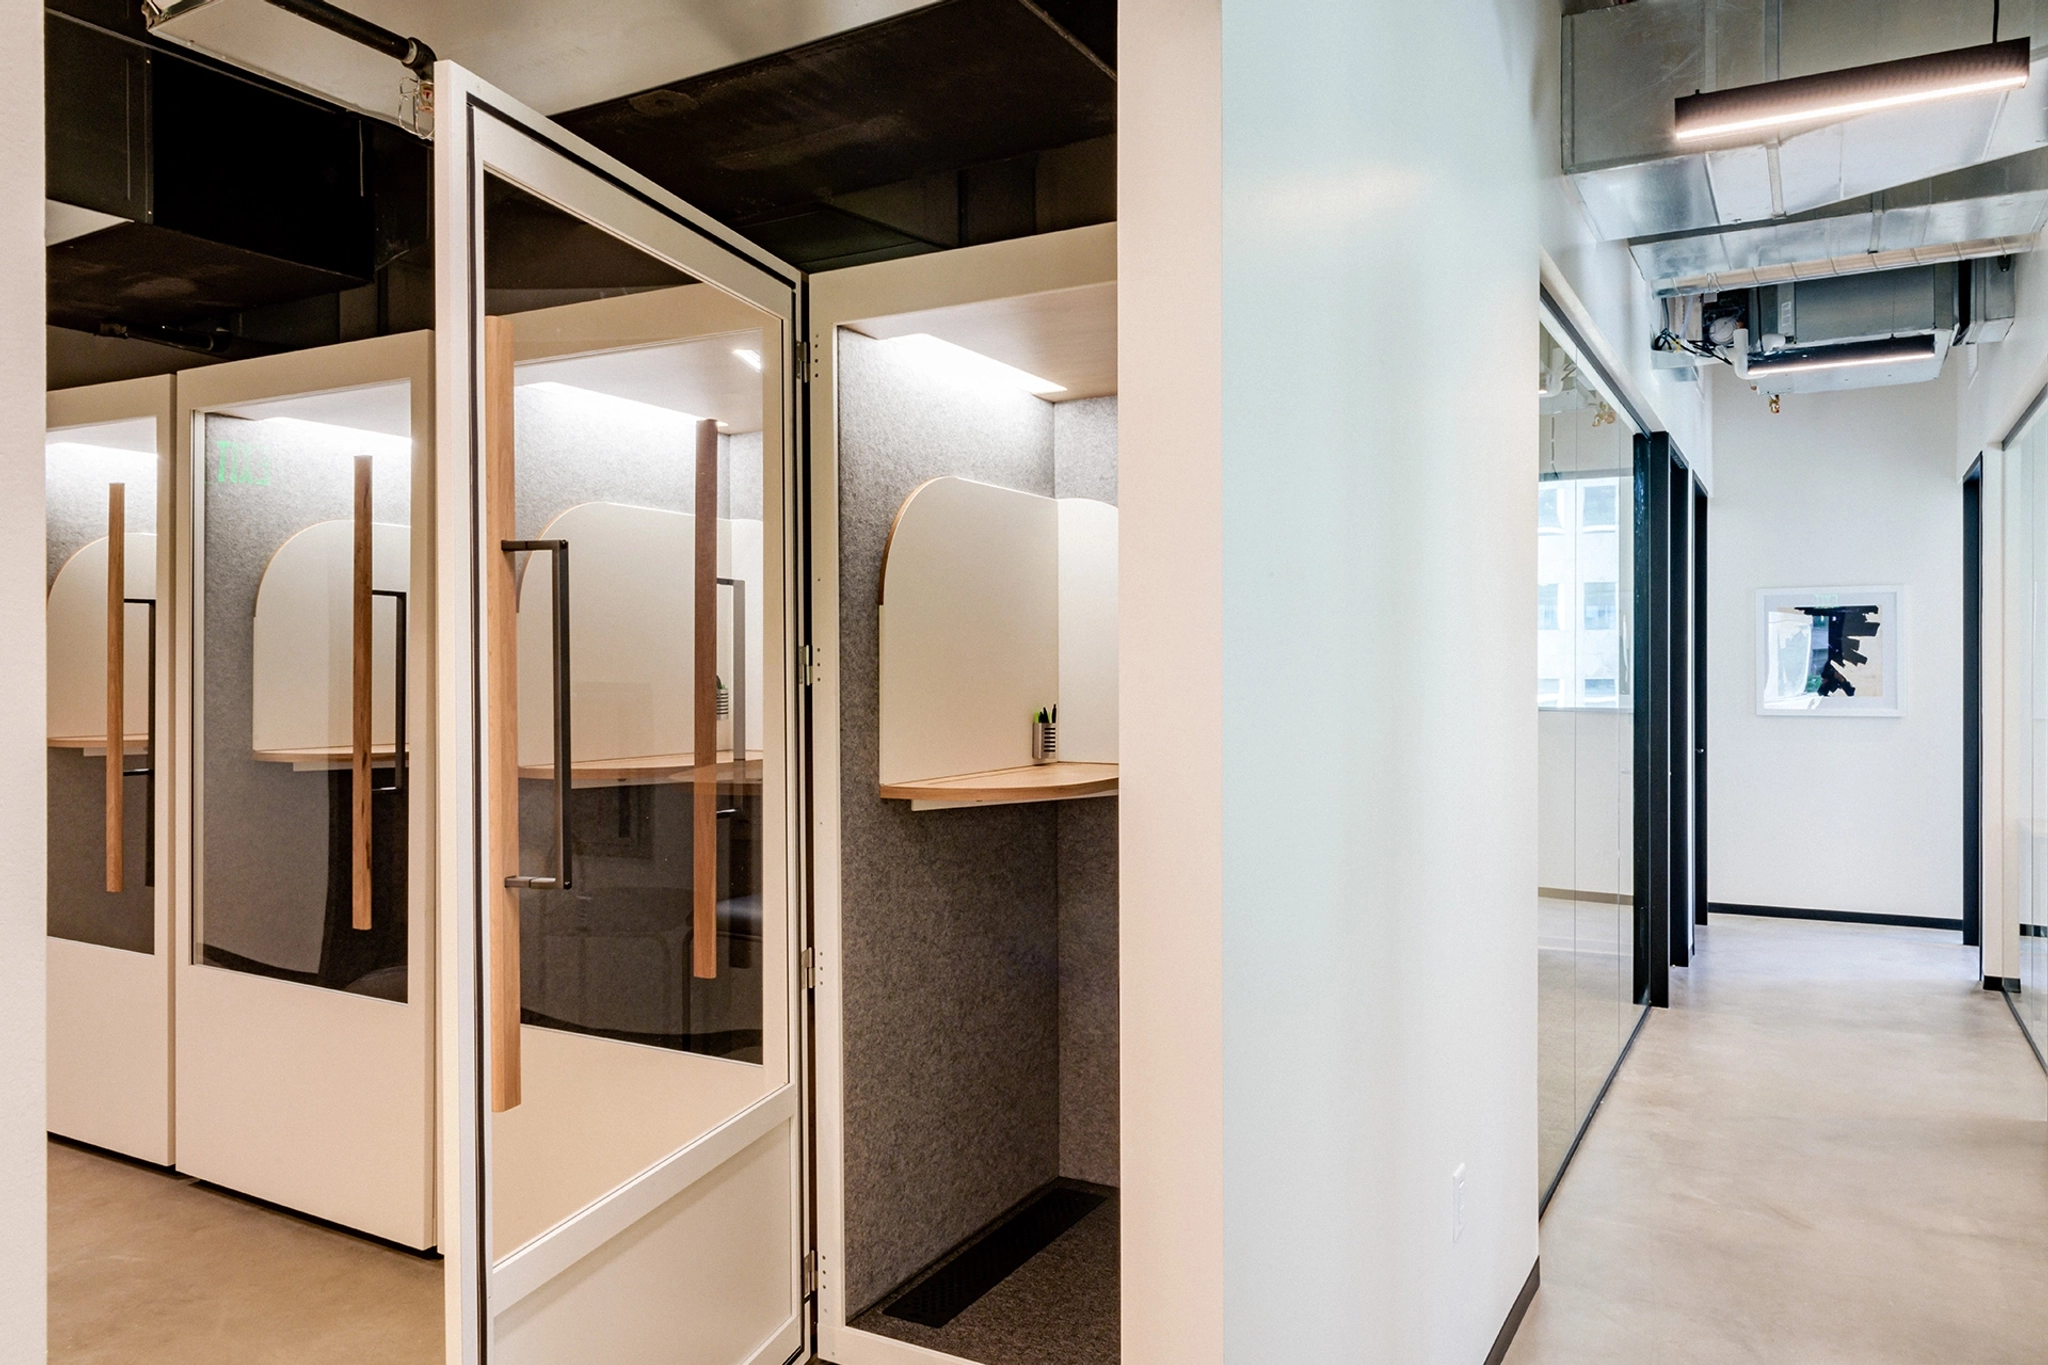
[(704, 826), (501, 683), (359, 699), (117, 681)]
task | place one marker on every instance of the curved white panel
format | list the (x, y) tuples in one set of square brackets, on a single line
[(995, 603), (76, 626), (305, 638), (632, 617)]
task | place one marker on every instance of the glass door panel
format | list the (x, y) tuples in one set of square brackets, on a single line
[(307, 525), (108, 902), (631, 518)]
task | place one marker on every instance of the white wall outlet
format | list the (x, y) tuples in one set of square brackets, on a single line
[(1458, 1203)]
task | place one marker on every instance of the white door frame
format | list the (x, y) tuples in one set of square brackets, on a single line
[(378, 1051), (110, 1010), (479, 128), (999, 270)]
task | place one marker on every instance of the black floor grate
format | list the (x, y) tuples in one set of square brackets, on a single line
[(992, 1257)]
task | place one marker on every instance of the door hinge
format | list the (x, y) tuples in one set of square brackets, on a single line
[(810, 969), (810, 1272), (809, 669)]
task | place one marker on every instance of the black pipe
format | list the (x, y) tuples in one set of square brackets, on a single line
[(416, 55)]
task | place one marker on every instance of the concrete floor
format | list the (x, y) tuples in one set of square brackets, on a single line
[(1832, 1148), (146, 1265)]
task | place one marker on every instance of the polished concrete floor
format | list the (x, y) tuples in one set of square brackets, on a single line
[(1833, 1148), (150, 1266)]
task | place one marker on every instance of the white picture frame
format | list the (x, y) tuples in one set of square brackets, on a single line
[(1830, 651)]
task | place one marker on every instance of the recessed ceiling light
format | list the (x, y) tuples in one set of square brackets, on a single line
[(752, 358), (957, 362), (1856, 90)]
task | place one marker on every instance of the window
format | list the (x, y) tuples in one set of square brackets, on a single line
[(1546, 606), (1600, 612), (1599, 689), (1599, 505), (1546, 509), (1546, 691)]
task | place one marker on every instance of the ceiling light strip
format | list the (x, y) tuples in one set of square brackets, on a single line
[(1856, 90), (1893, 351)]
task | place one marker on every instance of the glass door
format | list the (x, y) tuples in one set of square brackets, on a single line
[(305, 989), (637, 1159), (109, 928)]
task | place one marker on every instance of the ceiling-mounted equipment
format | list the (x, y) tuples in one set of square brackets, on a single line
[(1831, 95), (413, 54), (1852, 355)]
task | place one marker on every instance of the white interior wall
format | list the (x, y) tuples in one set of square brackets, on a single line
[(23, 1219), (1839, 489), (1306, 564)]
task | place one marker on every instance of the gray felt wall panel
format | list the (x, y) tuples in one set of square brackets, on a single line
[(951, 934)]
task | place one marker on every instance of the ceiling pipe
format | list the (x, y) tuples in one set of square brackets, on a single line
[(415, 55)]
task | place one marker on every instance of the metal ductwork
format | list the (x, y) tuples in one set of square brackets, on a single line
[(1854, 331), (1626, 67), (1844, 251)]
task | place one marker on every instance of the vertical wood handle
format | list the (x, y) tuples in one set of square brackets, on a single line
[(359, 698), (501, 681), (117, 681), (704, 826)]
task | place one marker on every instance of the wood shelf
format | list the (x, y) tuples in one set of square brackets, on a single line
[(1007, 786)]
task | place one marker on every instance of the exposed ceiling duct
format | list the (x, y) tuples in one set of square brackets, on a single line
[(1995, 209), (1827, 193), (1627, 67)]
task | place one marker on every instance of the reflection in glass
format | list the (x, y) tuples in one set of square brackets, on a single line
[(2026, 549), (1585, 561), (87, 471), (286, 545), (644, 413)]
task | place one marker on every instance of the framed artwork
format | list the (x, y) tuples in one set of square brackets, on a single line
[(1828, 651)]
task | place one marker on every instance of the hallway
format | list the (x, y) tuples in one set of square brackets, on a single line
[(1833, 1147)]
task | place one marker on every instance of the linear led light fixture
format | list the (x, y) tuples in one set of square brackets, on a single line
[(1856, 90), (1891, 351), (957, 362)]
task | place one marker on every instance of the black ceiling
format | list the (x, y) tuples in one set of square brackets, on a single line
[(954, 85), (250, 204)]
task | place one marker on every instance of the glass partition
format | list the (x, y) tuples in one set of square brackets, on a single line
[(2025, 530), (631, 603), (1585, 615), (96, 476), (305, 511)]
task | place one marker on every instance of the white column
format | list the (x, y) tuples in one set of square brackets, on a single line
[(23, 758), (1329, 268), (1170, 591)]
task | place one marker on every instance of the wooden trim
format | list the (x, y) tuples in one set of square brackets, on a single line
[(501, 667), (882, 578), (359, 701), (1005, 786), (117, 681), (704, 827)]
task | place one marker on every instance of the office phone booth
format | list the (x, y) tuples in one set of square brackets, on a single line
[(617, 843)]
